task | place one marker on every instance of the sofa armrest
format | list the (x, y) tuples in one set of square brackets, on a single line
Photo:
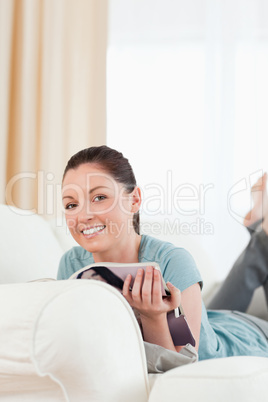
[(79, 339)]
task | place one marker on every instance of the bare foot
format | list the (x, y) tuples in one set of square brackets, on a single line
[(260, 201)]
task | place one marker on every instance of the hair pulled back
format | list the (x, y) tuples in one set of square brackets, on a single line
[(112, 162)]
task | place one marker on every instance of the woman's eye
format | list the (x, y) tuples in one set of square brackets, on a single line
[(99, 198), (70, 206)]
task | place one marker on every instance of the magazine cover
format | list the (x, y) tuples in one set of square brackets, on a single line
[(115, 274)]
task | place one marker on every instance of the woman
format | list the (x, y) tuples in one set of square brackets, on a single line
[(102, 201)]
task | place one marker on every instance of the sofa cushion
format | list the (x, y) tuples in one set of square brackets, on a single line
[(238, 378)]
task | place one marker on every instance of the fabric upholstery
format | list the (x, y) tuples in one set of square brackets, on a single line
[(29, 249), (229, 379), (72, 341)]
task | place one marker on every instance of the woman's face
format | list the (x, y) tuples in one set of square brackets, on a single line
[(98, 210)]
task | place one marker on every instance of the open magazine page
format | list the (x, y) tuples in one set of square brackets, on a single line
[(115, 274)]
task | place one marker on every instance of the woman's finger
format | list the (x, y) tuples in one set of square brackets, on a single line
[(157, 288), (126, 288), (147, 286), (137, 286), (175, 296)]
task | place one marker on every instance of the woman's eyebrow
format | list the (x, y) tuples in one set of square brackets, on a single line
[(96, 188), (90, 191)]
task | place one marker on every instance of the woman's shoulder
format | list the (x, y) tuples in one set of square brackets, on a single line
[(152, 247), (176, 263)]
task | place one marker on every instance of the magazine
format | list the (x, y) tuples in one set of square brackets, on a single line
[(115, 274)]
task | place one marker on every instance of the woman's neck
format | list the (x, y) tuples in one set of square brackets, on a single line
[(123, 253)]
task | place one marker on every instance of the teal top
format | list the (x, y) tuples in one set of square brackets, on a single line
[(221, 334)]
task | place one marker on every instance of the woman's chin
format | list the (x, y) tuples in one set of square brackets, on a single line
[(93, 245)]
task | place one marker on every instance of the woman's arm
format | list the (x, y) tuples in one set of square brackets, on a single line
[(191, 302), (146, 297)]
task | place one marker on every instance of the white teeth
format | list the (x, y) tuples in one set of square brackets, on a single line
[(93, 230)]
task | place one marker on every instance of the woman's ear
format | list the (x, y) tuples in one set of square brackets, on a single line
[(136, 200)]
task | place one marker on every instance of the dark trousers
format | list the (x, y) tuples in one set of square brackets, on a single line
[(249, 272)]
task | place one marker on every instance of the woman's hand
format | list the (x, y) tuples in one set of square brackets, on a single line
[(146, 295)]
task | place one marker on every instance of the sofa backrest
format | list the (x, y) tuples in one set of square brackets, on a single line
[(29, 249)]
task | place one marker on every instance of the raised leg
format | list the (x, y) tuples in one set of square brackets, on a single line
[(250, 270)]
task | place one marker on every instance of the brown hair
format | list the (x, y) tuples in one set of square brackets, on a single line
[(114, 163)]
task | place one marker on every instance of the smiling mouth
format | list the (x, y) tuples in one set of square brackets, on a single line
[(94, 230)]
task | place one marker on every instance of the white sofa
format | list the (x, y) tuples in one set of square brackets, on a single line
[(79, 341)]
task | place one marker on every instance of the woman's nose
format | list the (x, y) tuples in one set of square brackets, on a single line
[(85, 214)]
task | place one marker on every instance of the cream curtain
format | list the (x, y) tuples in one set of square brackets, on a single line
[(52, 94)]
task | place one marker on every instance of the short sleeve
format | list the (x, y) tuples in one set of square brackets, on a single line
[(176, 263), (180, 269), (63, 268)]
